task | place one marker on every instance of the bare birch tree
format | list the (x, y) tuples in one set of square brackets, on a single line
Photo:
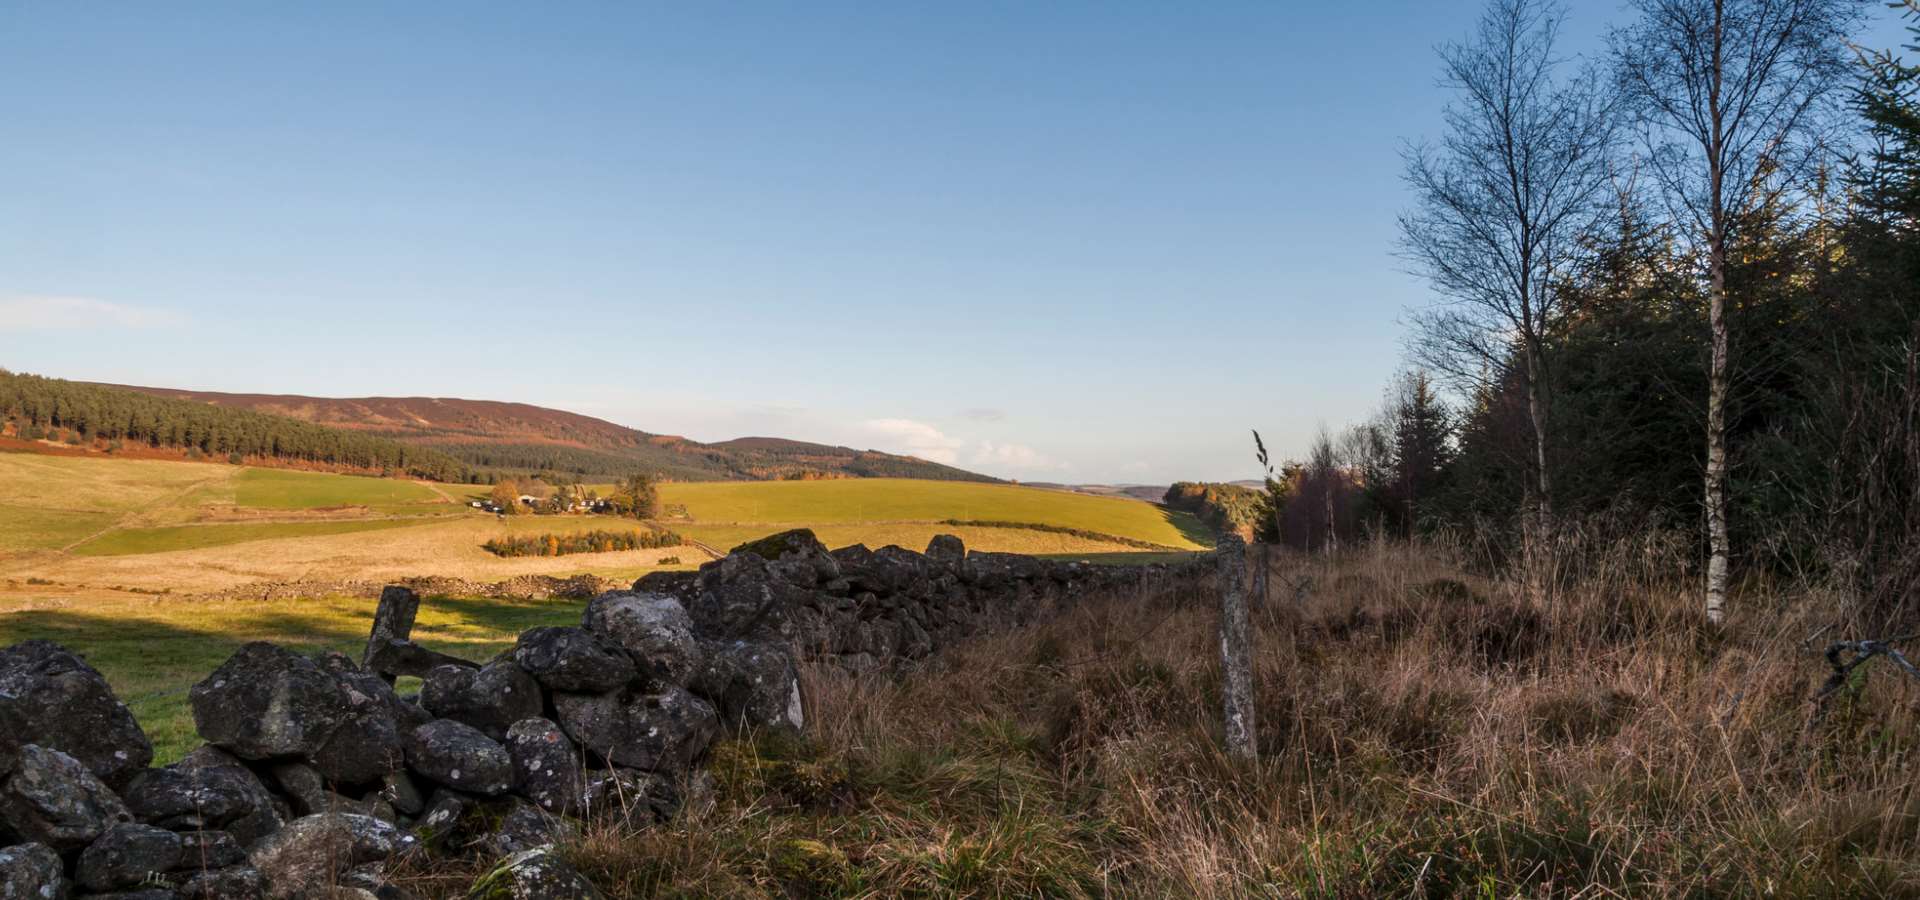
[(1502, 202), (1323, 476), (1728, 96)]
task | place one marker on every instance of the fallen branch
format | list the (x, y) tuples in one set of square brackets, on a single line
[(1844, 664)]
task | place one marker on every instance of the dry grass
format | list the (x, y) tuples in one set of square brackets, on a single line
[(1423, 734)]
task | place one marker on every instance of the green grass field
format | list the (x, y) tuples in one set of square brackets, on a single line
[(879, 501), (92, 506), (126, 541), (153, 650), (287, 489)]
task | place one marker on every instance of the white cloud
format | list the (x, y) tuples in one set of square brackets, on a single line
[(1138, 465), (1013, 456), (916, 439), (43, 313)]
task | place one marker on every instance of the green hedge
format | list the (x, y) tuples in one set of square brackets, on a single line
[(596, 541)]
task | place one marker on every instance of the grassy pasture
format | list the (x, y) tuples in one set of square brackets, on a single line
[(895, 500), (289, 489), (913, 536), (153, 650), (126, 541), (31, 528)]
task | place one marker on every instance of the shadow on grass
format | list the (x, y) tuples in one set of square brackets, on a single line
[(1189, 526), (152, 655)]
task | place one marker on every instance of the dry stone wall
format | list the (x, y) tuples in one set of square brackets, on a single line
[(317, 774)]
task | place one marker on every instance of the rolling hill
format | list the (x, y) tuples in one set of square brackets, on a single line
[(520, 438)]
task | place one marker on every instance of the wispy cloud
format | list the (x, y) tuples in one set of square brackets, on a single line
[(985, 414), (1013, 456), (45, 313), (915, 438)]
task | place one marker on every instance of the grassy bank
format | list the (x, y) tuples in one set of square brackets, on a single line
[(1422, 733)]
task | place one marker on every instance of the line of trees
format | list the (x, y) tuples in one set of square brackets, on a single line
[(92, 413), (597, 541), (1681, 282), (1221, 507)]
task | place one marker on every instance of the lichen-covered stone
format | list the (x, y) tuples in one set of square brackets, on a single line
[(239, 882), (535, 874), (490, 698), (267, 702), (52, 799), (126, 855), (654, 629), (32, 872), (311, 854), (51, 698), (368, 744), (752, 683), (574, 659), (546, 765), (207, 788), (457, 755), (662, 731)]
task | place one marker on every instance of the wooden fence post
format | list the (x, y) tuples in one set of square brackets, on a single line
[(1236, 645), (392, 621)]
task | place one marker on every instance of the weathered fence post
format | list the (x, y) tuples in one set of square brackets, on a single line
[(1236, 645), (392, 621)]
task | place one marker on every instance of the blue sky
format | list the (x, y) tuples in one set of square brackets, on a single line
[(1081, 242)]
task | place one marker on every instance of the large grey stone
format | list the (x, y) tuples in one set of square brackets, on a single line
[(459, 756), (368, 743), (535, 874), (52, 698), (630, 797), (574, 659), (240, 882), (126, 855), (208, 788), (663, 731), (32, 872), (947, 550), (204, 850), (523, 826), (312, 854), (654, 628), (490, 698), (546, 765), (752, 683), (266, 702), (736, 598), (52, 799)]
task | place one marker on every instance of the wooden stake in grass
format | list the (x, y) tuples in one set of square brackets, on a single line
[(1236, 645), (392, 620)]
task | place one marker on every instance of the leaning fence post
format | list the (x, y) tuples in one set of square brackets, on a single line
[(392, 620), (1236, 645)]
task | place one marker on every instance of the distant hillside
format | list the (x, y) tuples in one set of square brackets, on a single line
[(520, 438), (116, 418), (1148, 492)]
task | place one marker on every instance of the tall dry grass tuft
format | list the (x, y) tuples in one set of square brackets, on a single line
[(1424, 733)]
